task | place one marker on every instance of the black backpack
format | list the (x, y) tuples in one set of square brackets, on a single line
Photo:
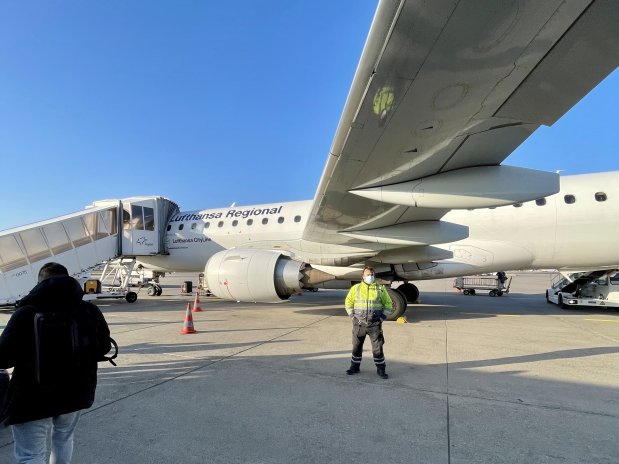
[(65, 343)]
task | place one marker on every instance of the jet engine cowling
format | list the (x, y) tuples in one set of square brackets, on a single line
[(263, 276)]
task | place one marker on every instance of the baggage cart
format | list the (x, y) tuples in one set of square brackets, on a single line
[(469, 285)]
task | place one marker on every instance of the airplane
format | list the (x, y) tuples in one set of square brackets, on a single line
[(414, 182)]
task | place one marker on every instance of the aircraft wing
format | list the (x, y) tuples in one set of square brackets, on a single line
[(444, 92)]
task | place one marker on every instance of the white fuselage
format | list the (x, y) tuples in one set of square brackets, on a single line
[(560, 234)]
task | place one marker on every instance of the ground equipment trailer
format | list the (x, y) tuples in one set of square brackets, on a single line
[(599, 288), (469, 285)]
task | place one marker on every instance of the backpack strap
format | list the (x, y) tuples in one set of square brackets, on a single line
[(111, 358)]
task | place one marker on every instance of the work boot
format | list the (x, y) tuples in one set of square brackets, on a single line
[(354, 368), (380, 370)]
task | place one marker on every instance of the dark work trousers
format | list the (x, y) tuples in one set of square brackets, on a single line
[(375, 332)]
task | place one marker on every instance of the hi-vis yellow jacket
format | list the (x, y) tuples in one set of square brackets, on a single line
[(368, 302)]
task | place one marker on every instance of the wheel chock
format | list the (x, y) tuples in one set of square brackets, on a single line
[(401, 320)]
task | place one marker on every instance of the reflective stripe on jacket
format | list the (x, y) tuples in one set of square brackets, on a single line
[(368, 302)]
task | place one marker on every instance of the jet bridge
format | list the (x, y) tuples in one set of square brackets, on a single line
[(80, 241)]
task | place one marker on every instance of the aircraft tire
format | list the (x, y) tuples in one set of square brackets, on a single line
[(131, 297), (410, 291), (399, 303)]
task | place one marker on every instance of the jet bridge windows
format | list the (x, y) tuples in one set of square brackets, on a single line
[(142, 218), (78, 233), (34, 244), (57, 238), (149, 218), (11, 255)]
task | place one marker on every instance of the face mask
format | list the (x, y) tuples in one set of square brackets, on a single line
[(369, 279)]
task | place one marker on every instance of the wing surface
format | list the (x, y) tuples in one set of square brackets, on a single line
[(453, 87)]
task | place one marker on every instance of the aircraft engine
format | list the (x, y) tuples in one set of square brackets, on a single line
[(263, 276)]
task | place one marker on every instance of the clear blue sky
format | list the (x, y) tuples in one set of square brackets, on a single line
[(204, 102)]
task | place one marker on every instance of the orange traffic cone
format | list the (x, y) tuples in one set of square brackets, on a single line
[(188, 324), (196, 304)]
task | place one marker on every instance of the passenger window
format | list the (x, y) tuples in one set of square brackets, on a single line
[(280, 220), (540, 201), (265, 221), (235, 223), (207, 225), (181, 227), (297, 218), (517, 205), (570, 199), (220, 224), (168, 228), (250, 222), (193, 226), (600, 196)]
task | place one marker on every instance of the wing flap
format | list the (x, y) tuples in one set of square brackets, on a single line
[(446, 85)]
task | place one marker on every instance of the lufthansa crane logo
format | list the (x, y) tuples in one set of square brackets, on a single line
[(141, 240)]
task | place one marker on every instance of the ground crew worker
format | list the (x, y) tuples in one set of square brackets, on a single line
[(368, 304)]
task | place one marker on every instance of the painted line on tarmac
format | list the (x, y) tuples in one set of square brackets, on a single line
[(616, 321), (493, 314)]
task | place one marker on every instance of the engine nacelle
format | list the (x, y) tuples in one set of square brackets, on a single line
[(253, 275)]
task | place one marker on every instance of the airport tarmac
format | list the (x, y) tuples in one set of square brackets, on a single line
[(473, 379)]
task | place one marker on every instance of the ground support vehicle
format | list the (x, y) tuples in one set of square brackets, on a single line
[(598, 288), (469, 285)]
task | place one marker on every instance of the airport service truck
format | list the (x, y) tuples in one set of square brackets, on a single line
[(599, 288)]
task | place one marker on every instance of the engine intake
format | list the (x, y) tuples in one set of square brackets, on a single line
[(263, 276)]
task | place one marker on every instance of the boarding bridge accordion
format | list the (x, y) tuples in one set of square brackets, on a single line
[(80, 241)]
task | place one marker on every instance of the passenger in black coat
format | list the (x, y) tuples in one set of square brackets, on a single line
[(73, 390)]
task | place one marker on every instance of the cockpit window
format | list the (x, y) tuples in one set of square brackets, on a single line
[(181, 227)]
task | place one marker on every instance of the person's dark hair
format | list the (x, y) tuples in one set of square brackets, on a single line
[(52, 269)]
